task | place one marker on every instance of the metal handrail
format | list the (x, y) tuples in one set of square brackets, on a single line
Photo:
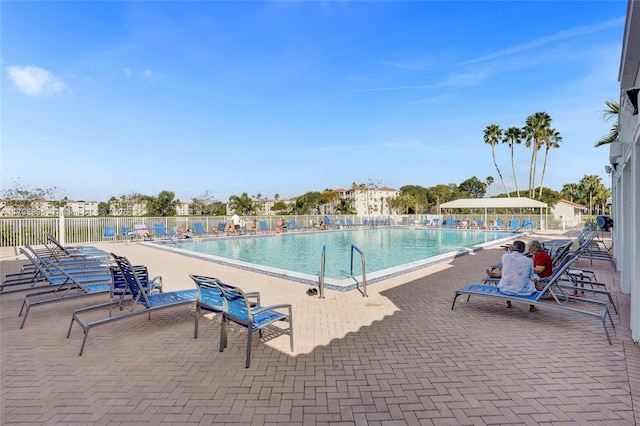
[(321, 281), (364, 276)]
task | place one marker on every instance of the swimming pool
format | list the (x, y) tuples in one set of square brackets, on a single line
[(296, 255)]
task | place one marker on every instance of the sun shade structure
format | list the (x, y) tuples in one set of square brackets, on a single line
[(495, 203)]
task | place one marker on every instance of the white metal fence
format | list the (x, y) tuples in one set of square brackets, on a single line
[(15, 232)]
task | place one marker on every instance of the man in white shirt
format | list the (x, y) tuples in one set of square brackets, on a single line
[(236, 223), (518, 277)]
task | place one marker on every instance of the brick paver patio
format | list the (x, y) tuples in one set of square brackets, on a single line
[(400, 356)]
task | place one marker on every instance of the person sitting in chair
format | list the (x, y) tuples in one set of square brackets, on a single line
[(517, 276)]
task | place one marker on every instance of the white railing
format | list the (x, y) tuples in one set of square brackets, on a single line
[(15, 232)]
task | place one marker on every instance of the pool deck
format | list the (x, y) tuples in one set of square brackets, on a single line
[(399, 357)]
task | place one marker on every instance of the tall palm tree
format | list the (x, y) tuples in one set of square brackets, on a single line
[(492, 136), (512, 137), (535, 131), (552, 141), (612, 112)]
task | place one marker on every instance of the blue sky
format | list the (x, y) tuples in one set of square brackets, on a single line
[(110, 98)]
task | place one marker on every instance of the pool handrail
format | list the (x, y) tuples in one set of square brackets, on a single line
[(321, 281), (364, 276)]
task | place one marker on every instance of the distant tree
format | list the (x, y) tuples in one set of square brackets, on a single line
[(592, 192), (308, 203), (163, 205), (205, 204), (489, 181), (415, 197), (473, 187), (535, 131), (22, 197), (612, 112), (344, 206), (513, 137), (442, 193), (551, 141), (570, 191), (492, 136), (103, 208), (280, 207), (243, 204)]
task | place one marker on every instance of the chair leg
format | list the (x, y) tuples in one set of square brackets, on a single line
[(195, 328), (223, 333), (249, 334)]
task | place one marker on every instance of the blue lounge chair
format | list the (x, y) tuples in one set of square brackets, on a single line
[(238, 308), (198, 229), (293, 225), (497, 224), (109, 233), (350, 223), (127, 233), (211, 300), (426, 222), (514, 225), (63, 285), (264, 228), (160, 231), (141, 301), (553, 287), (527, 224), (70, 251)]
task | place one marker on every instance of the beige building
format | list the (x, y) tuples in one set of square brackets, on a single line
[(624, 160)]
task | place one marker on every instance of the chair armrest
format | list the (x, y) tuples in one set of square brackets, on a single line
[(261, 309), (155, 282)]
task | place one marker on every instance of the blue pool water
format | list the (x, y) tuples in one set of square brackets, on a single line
[(386, 250)]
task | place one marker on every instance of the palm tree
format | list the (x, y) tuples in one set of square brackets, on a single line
[(489, 181), (612, 111), (493, 135), (535, 131), (553, 141), (512, 137), (243, 204)]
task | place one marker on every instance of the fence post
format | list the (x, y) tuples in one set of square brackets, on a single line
[(61, 231)]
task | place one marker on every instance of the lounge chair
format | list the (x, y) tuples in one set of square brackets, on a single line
[(552, 286), (198, 229), (448, 223), (141, 301), (211, 300), (496, 225), (293, 225), (73, 250), (426, 222), (264, 228), (109, 233), (527, 224), (514, 225), (64, 286), (350, 223), (126, 233), (30, 276), (160, 230), (239, 309)]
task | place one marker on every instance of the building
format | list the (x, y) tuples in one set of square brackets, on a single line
[(81, 208), (624, 160), (568, 213)]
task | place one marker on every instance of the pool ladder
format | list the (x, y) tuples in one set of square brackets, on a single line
[(354, 248)]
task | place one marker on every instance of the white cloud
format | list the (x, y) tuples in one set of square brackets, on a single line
[(36, 81), (148, 74), (127, 72)]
